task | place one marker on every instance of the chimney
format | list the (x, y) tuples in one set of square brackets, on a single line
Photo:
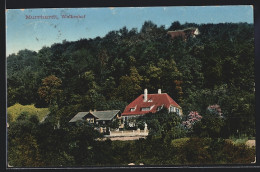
[(159, 91), (145, 95)]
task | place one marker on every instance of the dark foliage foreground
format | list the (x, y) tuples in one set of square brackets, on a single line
[(34, 144)]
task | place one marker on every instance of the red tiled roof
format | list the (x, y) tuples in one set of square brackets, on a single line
[(177, 33), (183, 33), (157, 101)]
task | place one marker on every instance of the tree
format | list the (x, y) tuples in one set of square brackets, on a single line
[(49, 90), (81, 140), (211, 124), (23, 148), (45, 60), (130, 86), (163, 124), (171, 78), (239, 110), (154, 127), (115, 104), (148, 26), (109, 87), (153, 78), (103, 58), (191, 70), (24, 152), (175, 26), (86, 82), (114, 124), (118, 68), (22, 77)]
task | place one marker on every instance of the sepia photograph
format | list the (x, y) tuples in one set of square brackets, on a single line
[(130, 86)]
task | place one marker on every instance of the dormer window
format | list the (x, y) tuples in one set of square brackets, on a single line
[(132, 109), (150, 100), (145, 109)]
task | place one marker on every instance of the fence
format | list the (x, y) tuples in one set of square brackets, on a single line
[(128, 133)]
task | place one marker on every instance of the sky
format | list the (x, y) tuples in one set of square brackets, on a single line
[(33, 34)]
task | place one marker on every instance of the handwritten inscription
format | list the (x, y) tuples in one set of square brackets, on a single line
[(73, 16), (55, 17)]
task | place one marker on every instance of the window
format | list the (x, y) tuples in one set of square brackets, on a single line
[(90, 120), (145, 109), (150, 100), (172, 109), (177, 111), (132, 109)]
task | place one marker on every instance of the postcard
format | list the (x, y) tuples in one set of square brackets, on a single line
[(130, 86)]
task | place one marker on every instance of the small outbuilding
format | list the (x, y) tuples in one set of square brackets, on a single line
[(97, 117)]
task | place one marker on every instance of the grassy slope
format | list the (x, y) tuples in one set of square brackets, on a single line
[(15, 110)]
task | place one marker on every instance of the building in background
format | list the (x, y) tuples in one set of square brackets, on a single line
[(185, 33)]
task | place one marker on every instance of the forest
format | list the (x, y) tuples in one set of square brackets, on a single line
[(211, 76)]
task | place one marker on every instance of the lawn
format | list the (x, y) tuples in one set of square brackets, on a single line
[(15, 110)]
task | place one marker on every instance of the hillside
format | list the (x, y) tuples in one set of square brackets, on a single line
[(215, 67)]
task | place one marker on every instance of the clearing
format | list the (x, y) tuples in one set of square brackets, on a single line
[(14, 111)]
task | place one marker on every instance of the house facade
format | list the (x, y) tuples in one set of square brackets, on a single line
[(150, 103)]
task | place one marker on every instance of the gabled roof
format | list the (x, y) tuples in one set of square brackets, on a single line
[(157, 100), (99, 115), (105, 115), (79, 116)]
